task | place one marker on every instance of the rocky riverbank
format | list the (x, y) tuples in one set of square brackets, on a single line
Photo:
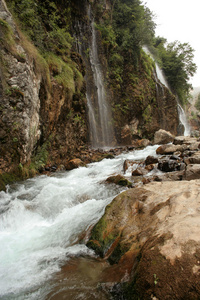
[(150, 233)]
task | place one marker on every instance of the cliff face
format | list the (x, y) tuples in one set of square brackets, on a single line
[(140, 103), (44, 112), (37, 110)]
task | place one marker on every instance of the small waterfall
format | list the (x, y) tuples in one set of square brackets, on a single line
[(184, 121), (161, 80), (161, 76)]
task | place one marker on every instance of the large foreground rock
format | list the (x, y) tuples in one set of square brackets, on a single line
[(151, 237)]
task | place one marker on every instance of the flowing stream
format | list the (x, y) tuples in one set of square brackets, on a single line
[(42, 221)]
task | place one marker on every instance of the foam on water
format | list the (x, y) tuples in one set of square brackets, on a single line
[(42, 218)]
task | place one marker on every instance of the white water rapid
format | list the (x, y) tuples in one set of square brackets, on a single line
[(42, 219)]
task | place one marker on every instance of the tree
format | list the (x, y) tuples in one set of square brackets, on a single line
[(133, 26)]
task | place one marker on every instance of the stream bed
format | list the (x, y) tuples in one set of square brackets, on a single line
[(43, 222)]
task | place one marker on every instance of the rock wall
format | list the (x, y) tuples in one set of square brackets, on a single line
[(35, 108), (20, 103)]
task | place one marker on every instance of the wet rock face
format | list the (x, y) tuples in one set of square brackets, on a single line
[(154, 232)]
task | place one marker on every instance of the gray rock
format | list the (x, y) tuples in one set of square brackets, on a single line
[(163, 137)]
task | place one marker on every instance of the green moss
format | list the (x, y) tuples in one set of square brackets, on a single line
[(147, 114), (101, 239), (118, 252), (40, 158), (62, 72), (6, 38)]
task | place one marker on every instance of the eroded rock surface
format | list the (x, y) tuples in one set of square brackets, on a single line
[(151, 237)]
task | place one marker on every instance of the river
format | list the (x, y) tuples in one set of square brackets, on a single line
[(43, 223)]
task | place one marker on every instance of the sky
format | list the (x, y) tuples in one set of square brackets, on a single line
[(179, 20)]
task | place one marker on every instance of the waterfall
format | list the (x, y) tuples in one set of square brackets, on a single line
[(183, 120), (101, 129), (161, 80), (101, 122), (161, 76)]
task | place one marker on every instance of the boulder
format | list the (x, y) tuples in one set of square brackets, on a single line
[(193, 159), (170, 149), (192, 172), (180, 140), (74, 163), (150, 236), (151, 160), (170, 165), (141, 143), (163, 137), (140, 171), (119, 180), (171, 176)]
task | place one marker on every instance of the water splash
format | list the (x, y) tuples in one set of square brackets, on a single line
[(43, 218)]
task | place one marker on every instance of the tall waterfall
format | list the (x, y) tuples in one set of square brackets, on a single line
[(100, 118), (101, 129)]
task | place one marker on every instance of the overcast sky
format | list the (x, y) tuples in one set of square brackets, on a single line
[(179, 20)]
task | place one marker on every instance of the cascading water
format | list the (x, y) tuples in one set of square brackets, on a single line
[(184, 121), (41, 222), (103, 119), (99, 111), (159, 77)]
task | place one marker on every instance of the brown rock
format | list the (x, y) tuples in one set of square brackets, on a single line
[(152, 241), (151, 160), (192, 172), (142, 143), (194, 159), (74, 163), (120, 180), (126, 135), (170, 149), (180, 140), (140, 171)]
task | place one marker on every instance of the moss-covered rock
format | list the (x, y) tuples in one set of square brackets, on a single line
[(150, 235), (119, 180)]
